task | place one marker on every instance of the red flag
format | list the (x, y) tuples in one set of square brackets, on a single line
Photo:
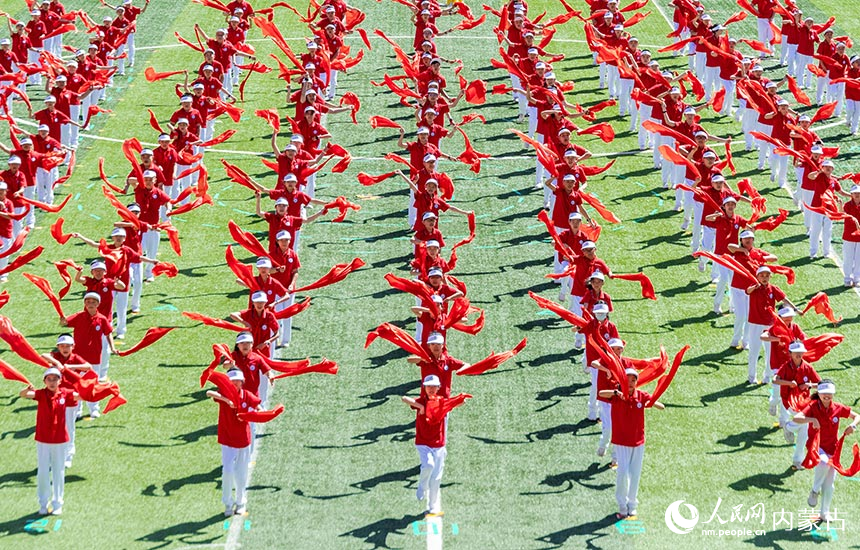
[(63, 267), (799, 95), (657, 128), (637, 17), (19, 344), (261, 417), (676, 45), (633, 6), (816, 70), (667, 379), (326, 366), (740, 16), (294, 309), (217, 323), (603, 130), (17, 244), (237, 175), (93, 111), (152, 335), (476, 92), (492, 361), (819, 346), (399, 338), (4, 298), (164, 268), (367, 179), (224, 384), (772, 222), (728, 160), (594, 170), (9, 372), (46, 207), (470, 237), (152, 76), (349, 98), (336, 274), (104, 177), (642, 279), (821, 304), (717, 100), (756, 45), (271, 116), (363, 34), (382, 122), (45, 286), (467, 24), (218, 139), (824, 112), (113, 403), (22, 260), (561, 311), (245, 273), (604, 212), (436, 414)]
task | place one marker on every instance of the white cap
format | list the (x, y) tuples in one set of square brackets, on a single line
[(566, 130), (283, 234), (310, 109), (432, 380), (53, 371), (618, 28), (98, 264), (804, 118), (146, 152), (588, 244), (65, 339), (259, 297), (598, 275), (186, 99), (787, 312), (290, 147), (730, 199), (532, 51), (608, 14), (854, 189), (568, 177), (14, 160), (631, 372), (827, 163), (164, 137), (570, 153), (574, 216), (311, 91), (244, 338), (690, 111), (291, 176), (93, 295), (118, 232), (763, 269), (423, 130), (182, 121), (615, 343), (149, 174), (435, 338), (428, 216), (264, 262), (208, 67), (709, 155), (540, 65), (432, 243), (827, 388), (61, 78), (221, 31), (235, 374), (817, 150), (43, 128), (675, 90), (601, 308), (429, 158), (282, 202), (747, 234), (26, 141), (5, 42), (700, 133), (781, 102), (434, 272), (3, 186), (134, 207), (431, 181), (770, 84), (312, 45)]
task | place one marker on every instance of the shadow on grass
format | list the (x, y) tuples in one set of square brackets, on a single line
[(774, 483), (732, 391), (177, 484), (555, 395), (397, 432), (380, 397), (194, 397), (382, 360), (744, 441), (181, 439), (189, 532), (377, 533), (589, 529), (563, 482), (562, 429)]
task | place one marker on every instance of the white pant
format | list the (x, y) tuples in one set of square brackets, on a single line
[(644, 135), (852, 109), (287, 324), (779, 168), (823, 480), (850, 261), (613, 81), (836, 92), (120, 63), (44, 189), (804, 76), (627, 477), (332, 85), (180, 184), (149, 242), (724, 275), (605, 424), (821, 89), (33, 57), (30, 193), (625, 102), (4, 246), (700, 59), (533, 120), (51, 473), (741, 305), (539, 170), (764, 148), (593, 408), (120, 306), (71, 416), (820, 230), (765, 33), (522, 101), (755, 343), (576, 309), (227, 82), (136, 281), (75, 115), (430, 479), (791, 59), (806, 198), (712, 80), (729, 100), (667, 169), (129, 46), (234, 474), (783, 51), (802, 431), (748, 124)]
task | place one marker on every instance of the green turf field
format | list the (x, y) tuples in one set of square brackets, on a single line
[(338, 469)]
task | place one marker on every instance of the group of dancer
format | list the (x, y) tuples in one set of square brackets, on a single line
[(171, 179)]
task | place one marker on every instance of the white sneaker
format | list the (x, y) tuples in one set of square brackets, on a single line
[(789, 435), (813, 499), (798, 466), (601, 451), (57, 511), (240, 510), (419, 493), (95, 414)]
